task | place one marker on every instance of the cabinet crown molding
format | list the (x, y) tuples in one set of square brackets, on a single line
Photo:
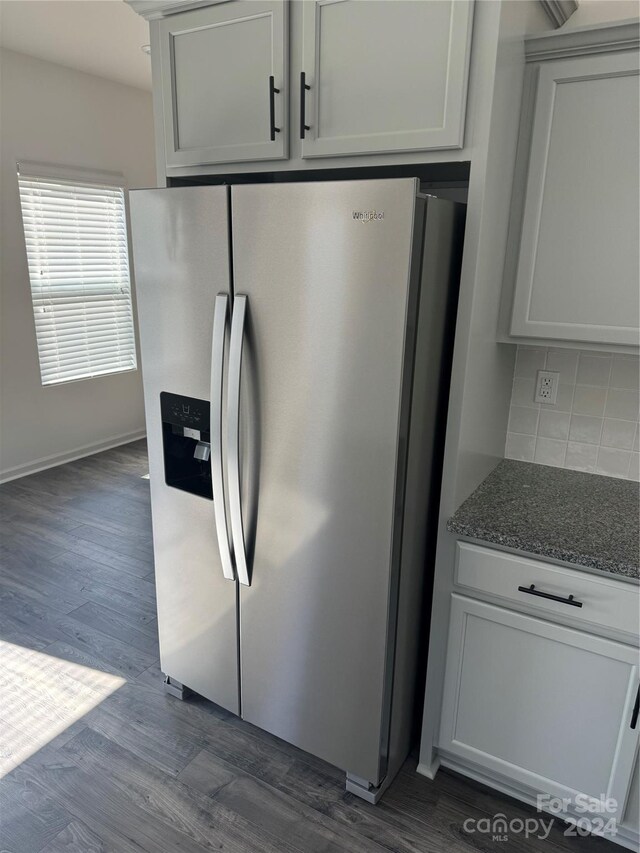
[(597, 38), (559, 11), (151, 10)]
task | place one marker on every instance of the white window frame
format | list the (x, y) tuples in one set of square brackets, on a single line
[(103, 341)]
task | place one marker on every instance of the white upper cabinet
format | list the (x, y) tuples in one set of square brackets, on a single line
[(576, 270), (371, 77), (384, 76), (223, 72)]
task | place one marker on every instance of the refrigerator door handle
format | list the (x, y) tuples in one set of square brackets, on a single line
[(233, 414), (217, 365)]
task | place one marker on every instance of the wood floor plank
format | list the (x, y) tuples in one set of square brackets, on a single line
[(134, 598), (110, 557), (58, 626), (18, 507), (143, 637), (29, 820), (207, 773), (165, 710), (165, 799), (152, 677), (200, 725), (12, 632), (171, 754), (40, 487), (44, 593), (112, 507), (42, 696), (284, 817), (120, 525), (104, 808), (270, 742), (53, 486), (23, 632), (91, 570), (78, 838), (46, 534), (326, 794), (65, 651), (29, 549), (128, 545)]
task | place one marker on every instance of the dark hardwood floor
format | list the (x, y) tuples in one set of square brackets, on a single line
[(98, 758)]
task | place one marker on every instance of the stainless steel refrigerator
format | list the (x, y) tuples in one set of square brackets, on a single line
[(291, 339)]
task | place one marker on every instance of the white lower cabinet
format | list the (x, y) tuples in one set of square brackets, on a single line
[(631, 820), (545, 706)]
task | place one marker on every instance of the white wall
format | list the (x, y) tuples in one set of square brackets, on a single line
[(53, 114)]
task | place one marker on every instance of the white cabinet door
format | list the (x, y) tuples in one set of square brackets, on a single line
[(632, 813), (544, 705), (577, 271), (219, 102), (384, 75)]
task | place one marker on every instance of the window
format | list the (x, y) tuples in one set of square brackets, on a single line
[(76, 240)]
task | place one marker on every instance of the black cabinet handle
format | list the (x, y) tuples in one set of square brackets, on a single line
[(531, 590), (636, 709), (272, 108), (304, 88)]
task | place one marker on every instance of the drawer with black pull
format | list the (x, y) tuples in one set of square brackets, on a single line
[(604, 601)]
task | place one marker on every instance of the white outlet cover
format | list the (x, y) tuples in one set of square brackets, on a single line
[(546, 387)]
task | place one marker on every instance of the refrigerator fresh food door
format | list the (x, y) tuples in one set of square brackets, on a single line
[(324, 269), (181, 260)]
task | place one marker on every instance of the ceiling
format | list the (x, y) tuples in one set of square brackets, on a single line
[(102, 37)]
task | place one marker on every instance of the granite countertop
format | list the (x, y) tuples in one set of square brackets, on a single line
[(580, 518)]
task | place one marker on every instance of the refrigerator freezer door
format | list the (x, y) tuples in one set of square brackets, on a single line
[(325, 268), (181, 261)]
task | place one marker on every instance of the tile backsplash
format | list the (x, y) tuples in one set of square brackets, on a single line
[(592, 426)]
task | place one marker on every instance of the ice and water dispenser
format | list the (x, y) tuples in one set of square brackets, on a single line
[(186, 441)]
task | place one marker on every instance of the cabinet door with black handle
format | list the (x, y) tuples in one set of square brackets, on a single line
[(223, 71), (546, 706), (383, 76)]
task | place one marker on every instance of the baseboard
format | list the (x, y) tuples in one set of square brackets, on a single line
[(429, 770), (625, 837), (69, 456)]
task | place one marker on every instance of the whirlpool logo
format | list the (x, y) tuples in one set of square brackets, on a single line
[(368, 215)]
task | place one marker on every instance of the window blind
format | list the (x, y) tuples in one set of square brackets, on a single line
[(76, 240)]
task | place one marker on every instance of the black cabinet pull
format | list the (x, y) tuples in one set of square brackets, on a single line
[(531, 590), (636, 708), (272, 108), (304, 88)]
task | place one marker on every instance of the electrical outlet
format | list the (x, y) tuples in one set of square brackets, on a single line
[(546, 386)]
